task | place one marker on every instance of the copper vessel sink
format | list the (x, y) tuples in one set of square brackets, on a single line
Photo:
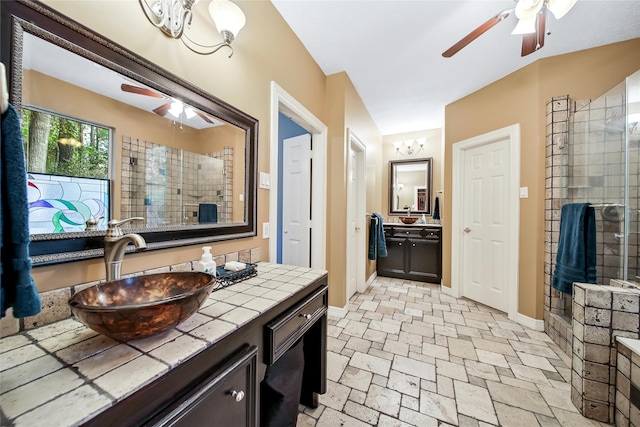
[(408, 219), (141, 306)]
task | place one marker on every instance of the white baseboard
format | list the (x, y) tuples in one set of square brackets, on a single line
[(373, 277), (447, 291), (529, 322), (340, 312)]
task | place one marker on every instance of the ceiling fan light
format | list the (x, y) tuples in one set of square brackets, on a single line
[(525, 26), (176, 109), (227, 16), (188, 111), (559, 8), (527, 9)]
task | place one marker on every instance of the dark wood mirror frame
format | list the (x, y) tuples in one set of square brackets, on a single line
[(30, 16), (428, 163)]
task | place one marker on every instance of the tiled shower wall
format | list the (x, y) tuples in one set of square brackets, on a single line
[(166, 185), (556, 324), (585, 162)]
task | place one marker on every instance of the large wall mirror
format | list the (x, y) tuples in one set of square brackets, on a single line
[(109, 135), (410, 186)]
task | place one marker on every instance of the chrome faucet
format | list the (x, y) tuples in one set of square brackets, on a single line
[(115, 243)]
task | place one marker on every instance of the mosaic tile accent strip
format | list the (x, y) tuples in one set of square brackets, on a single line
[(56, 308)]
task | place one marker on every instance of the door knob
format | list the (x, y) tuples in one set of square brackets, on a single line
[(467, 230)]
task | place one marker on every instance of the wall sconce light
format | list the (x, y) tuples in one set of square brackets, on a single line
[(410, 147), (174, 18)]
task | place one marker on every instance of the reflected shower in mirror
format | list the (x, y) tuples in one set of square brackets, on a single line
[(410, 186)]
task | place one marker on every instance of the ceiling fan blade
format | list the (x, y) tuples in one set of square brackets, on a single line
[(139, 90), (534, 41), (204, 117), (163, 109), (476, 33)]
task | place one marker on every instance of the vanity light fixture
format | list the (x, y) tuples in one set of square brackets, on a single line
[(174, 18), (410, 147)]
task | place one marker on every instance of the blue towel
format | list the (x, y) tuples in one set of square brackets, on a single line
[(207, 213), (436, 209), (377, 242), (17, 289), (576, 258)]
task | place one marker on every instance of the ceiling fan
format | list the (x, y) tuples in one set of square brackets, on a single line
[(176, 108), (532, 21)]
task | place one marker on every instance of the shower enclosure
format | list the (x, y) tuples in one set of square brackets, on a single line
[(593, 156)]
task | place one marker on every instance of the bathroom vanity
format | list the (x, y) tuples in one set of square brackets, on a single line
[(414, 252), (208, 368)]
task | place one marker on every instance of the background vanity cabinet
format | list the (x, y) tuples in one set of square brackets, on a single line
[(413, 252)]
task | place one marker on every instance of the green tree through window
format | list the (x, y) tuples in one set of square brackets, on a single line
[(63, 146)]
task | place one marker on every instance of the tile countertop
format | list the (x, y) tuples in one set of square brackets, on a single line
[(64, 374), (399, 224)]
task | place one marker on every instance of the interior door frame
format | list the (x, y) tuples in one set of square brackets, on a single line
[(513, 202), (283, 102), (360, 220)]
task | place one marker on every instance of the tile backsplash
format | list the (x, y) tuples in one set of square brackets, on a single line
[(56, 308)]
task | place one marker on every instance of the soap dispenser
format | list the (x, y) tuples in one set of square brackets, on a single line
[(206, 263)]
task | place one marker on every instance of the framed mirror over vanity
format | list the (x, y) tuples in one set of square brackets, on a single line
[(410, 186), (110, 135), (414, 252)]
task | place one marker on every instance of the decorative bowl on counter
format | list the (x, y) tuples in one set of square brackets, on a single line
[(141, 306), (408, 219)]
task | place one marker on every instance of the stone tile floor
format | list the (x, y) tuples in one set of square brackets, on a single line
[(408, 355)]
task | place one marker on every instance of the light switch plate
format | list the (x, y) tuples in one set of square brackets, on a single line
[(265, 180), (524, 192), (265, 230)]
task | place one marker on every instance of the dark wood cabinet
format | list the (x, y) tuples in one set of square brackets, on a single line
[(228, 396), (413, 252)]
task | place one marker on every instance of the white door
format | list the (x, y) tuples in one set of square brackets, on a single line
[(485, 221), (296, 197), (356, 218)]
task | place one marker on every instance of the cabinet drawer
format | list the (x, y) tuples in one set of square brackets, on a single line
[(284, 331), (407, 232), (431, 233), (228, 396)]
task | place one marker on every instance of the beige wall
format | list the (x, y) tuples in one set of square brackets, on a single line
[(346, 112), (261, 50), (432, 148), (521, 98)]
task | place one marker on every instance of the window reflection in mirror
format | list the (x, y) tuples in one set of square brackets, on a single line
[(68, 172), (410, 186)]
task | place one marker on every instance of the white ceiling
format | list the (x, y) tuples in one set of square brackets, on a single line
[(392, 49)]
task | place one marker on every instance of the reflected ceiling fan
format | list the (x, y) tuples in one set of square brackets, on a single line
[(532, 21), (176, 108)]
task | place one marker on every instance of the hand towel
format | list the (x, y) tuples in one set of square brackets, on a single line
[(17, 288), (576, 257), (207, 213), (436, 208), (377, 242), (235, 266)]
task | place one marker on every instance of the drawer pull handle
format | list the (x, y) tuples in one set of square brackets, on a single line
[(399, 244), (414, 245), (306, 316), (237, 395)]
